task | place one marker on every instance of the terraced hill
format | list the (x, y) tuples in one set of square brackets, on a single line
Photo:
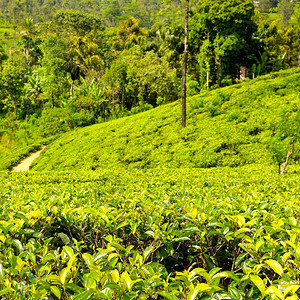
[(226, 127)]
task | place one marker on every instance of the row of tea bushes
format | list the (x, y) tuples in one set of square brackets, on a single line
[(160, 234), (247, 123)]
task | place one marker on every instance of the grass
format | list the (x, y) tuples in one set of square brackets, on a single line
[(232, 126)]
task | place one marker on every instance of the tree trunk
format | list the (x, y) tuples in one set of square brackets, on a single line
[(14, 106), (207, 65), (71, 88), (14, 37), (207, 80), (289, 154), (184, 63), (218, 69), (123, 95)]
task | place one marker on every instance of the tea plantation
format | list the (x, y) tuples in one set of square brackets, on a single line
[(241, 124), (137, 208), (222, 233)]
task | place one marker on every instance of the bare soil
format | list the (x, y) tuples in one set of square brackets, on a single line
[(25, 163)]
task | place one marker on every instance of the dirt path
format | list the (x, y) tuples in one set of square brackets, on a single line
[(25, 163)]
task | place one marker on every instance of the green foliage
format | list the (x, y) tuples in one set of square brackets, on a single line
[(3, 55), (82, 57), (281, 46), (286, 10), (193, 87), (78, 23), (135, 77), (59, 120), (129, 34), (142, 228), (219, 32), (171, 233), (227, 127), (265, 5), (13, 74), (110, 11), (138, 61), (53, 74), (287, 132), (29, 42)]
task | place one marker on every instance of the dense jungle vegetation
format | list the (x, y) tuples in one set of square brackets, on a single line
[(132, 206)]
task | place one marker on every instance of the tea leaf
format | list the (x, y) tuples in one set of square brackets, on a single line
[(258, 282), (275, 266), (55, 290)]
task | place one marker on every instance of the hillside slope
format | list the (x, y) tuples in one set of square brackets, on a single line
[(226, 127)]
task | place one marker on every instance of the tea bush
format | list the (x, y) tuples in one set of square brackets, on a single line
[(232, 126), (223, 233)]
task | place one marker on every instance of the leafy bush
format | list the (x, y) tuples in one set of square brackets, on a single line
[(59, 120), (54, 121), (156, 234), (214, 110), (245, 117), (192, 88), (196, 102)]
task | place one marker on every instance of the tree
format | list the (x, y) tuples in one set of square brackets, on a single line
[(80, 24), (154, 78), (297, 30), (291, 128), (129, 33), (82, 57), (281, 45), (55, 79), (168, 41), (29, 42), (286, 9), (228, 27), (265, 5), (274, 3), (89, 98), (184, 63), (13, 80), (136, 78), (3, 56), (171, 12), (205, 60), (33, 89)]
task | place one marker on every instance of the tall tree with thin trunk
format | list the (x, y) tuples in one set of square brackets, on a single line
[(286, 9), (221, 38), (184, 63)]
